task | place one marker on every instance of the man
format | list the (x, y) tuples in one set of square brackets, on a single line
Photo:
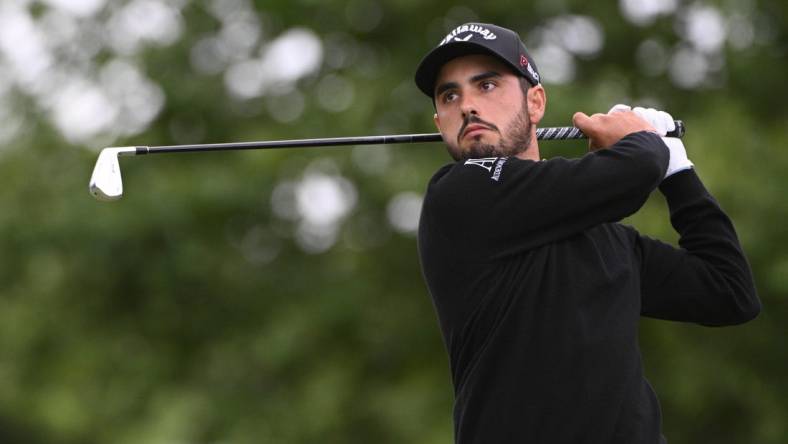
[(538, 290)]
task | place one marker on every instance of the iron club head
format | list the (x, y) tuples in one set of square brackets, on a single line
[(105, 182)]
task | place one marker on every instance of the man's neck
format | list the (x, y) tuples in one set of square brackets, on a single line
[(532, 153)]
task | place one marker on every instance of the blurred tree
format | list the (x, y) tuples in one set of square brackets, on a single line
[(277, 297)]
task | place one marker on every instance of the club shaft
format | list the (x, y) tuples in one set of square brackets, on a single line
[(295, 143), (552, 133)]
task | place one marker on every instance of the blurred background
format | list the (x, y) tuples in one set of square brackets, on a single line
[(276, 297)]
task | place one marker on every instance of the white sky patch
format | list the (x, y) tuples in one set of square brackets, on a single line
[(240, 33), (59, 27), (76, 41), (143, 21), (556, 65), (579, 34), (81, 110), (704, 28), (688, 68), (121, 102), (245, 79), (225, 9), (319, 202), (316, 239), (52, 59), (324, 199), (403, 212), (236, 40), (23, 45), (283, 200), (79, 8), (293, 55), (556, 45), (645, 12), (139, 100)]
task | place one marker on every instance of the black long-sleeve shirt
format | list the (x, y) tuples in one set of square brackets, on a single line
[(539, 291)]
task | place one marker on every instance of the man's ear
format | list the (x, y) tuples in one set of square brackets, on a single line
[(537, 101), (437, 121)]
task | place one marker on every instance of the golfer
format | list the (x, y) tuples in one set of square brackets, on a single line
[(537, 287)]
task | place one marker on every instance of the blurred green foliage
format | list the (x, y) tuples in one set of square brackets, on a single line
[(192, 311)]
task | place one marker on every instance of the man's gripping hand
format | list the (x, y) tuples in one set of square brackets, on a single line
[(603, 130), (663, 123)]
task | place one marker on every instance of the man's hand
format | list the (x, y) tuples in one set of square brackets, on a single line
[(603, 130), (663, 122)]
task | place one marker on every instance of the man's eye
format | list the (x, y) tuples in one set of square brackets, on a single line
[(449, 97), (488, 86)]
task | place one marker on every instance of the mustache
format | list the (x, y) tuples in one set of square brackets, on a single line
[(473, 118)]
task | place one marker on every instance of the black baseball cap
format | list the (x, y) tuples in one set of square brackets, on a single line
[(476, 38)]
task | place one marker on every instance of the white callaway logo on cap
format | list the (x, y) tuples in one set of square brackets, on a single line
[(481, 30)]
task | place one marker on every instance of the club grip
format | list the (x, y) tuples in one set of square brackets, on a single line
[(679, 131), (571, 132)]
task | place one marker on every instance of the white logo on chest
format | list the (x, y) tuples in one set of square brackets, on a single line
[(493, 165)]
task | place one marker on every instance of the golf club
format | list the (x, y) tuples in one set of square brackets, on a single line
[(106, 184)]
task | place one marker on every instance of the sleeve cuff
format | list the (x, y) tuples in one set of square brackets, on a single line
[(683, 186)]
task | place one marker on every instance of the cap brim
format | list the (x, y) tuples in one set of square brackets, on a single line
[(430, 66)]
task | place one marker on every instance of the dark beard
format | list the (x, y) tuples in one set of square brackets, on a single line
[(516, 141)]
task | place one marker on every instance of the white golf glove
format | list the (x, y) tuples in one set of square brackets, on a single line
[(663, 123)]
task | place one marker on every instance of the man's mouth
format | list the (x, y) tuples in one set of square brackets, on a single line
[(474, 130)]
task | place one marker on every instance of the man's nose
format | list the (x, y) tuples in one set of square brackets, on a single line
[(468, 105)]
